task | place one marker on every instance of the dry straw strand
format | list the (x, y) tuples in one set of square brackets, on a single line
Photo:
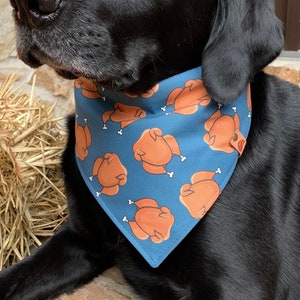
[(32, 199)]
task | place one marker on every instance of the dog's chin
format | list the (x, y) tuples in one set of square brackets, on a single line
[(109, 78), (112, 80)]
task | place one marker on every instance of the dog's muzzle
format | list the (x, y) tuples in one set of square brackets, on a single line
[(33, 13)]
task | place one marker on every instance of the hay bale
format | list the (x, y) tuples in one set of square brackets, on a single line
[(32, 200)]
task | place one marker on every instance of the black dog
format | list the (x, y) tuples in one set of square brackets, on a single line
[(248, 245)]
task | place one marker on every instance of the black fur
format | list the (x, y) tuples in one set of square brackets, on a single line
[(248, 245)]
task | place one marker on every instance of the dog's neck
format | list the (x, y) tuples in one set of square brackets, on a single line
[(157, 162)]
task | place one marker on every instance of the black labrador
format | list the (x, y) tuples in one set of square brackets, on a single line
[(248, 245)]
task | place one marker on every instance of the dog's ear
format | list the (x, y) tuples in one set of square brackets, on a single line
[(245, 37)]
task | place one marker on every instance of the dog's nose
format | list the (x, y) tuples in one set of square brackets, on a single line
[(32, 12)]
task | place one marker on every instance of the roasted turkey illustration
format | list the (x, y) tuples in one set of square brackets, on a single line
[(186, 100), (156, 151), (249, 103), (201, 194), (151, 221), (123, 114), (110, 173), (223, 133), (89, 89), (145, 95), (83, 140)]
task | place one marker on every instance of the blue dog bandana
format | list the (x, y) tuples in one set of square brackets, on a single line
[(158, 161)]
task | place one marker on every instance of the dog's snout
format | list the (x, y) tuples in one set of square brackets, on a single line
[(32, 12)]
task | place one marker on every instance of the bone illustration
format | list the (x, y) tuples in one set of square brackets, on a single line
[(199, 195), (151, 221), (110, 173), (156, 150), (123, 114), (186, 100)]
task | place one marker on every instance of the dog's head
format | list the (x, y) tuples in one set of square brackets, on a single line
[(134, 44)]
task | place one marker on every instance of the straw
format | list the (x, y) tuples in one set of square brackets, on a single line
[(32, 200)]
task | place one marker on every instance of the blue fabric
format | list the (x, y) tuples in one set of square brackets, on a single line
[(157, 162)]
